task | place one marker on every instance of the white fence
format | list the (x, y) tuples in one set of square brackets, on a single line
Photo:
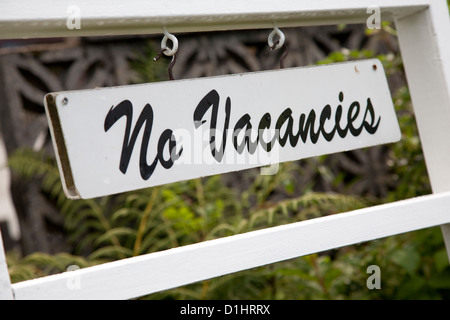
[(7, 211), (423, 29)]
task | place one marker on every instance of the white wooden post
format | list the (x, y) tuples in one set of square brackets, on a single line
[(425, 48), (6, 292)]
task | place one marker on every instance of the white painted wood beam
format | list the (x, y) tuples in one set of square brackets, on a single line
[(48, 18)]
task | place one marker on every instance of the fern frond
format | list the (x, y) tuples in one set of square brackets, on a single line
[(110, 253), (162, 244), (91, 226), (48, 261), (313, 205), (223, 229), (76, 217), (84, 243), (152, 237), (30, 164), (20, 272), (42, 264), (115, 233), (125, 215), (68, 259)]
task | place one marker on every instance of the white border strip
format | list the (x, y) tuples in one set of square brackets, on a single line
[(5, 282), (134, 277)]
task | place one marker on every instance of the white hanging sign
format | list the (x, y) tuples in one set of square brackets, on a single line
[(112, 140)]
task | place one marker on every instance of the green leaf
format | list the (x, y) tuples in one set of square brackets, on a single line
[(407, 259), (440, 280), (110, 252), (125, 214), (441, 260), (114, 233), (411, 288)]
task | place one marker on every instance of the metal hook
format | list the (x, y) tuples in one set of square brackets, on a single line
[(278, 44), (167, 51)]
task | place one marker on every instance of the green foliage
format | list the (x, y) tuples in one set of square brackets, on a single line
[(160, 218), (40, 264), (148, 70), (410, 170), (188, 207)]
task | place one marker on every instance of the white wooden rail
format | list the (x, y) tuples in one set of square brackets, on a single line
[(423, 29), (6, 292), (134, 277)]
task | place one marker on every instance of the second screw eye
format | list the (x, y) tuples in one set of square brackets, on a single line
[(278, 44)]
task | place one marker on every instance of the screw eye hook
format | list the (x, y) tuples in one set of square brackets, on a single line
[(277, 45), (280, 43), (168, 51)]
